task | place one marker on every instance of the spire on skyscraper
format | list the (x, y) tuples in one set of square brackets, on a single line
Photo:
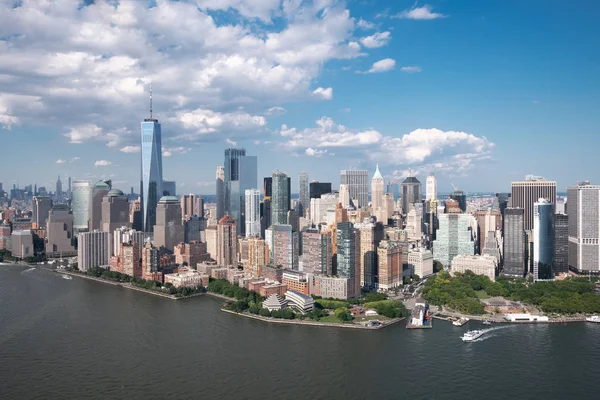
[(150, 100), (377, 173)]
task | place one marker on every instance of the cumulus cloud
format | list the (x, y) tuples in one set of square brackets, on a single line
[(323, 93), (411, 69), (102, 163), (60, 161), (131, 149), (363, 24), (202, 122), (387, 64), (376, 40), (72, 160), (83, 133), (420, 13), (315, 152), (276, 111), (231, 142), (169, 151)]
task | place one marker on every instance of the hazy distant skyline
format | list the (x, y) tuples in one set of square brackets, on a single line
[(479, 93)]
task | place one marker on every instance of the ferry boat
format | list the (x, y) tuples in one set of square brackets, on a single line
[(472, 335), (461, 321), (593, 318)]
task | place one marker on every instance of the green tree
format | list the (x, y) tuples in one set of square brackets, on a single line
[(343, 314)]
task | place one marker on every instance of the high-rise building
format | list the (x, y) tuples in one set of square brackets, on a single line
[(22, 244), (348, 252), (358, 186), (487, 221), (93, 249), (59, 192), (188, 205), (319, 207), (543, 240), (168, 230), (317, 189), (303, 193), (151, 263), (220, 192), (393, 188), (561, 240), (129, 259), (514, 242), (370, 236), (258, 255), (99, 190), (411, 192), (461, 198), (126, 235), (377, 187), (584, 227), (252, 212), (280, 200), (420, 262), (135, 215), (431, 188), (5, 243), (317, 252), (191, 253), (502, 201), (391, 260), (152, 170), (414, 223), (41, 206), (115, 211), (283, 246), (59, 232), (69, 192), (226, 242), (240, 174), (453, 238), (169, 188), (527, 192), (344, 196), (193, 228), (80, 203)]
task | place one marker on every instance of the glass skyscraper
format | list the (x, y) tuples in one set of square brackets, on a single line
[(152, 174), (280, 200), (543, 242), (240, 175), (453, 238), (80, 203), (303, 193)]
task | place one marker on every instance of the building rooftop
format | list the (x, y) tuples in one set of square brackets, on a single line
[(168, 199), (115, 192), (411, 179)]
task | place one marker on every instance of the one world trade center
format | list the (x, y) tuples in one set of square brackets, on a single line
[(151, 182)]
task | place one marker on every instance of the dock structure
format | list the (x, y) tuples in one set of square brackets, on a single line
[(420, 317)]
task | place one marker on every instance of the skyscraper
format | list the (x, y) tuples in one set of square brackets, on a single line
[(527, 192), (283, 246), (377, 188), (348, 252), (59, 231), (99, 190), (411, 192), (584, 227), (344, 196), (317, 251), (220, 192), (393, 188), (59, 192), (303, 193), (240, 174), (319, 188), (370, 236), (453, 238), (189, 206), (82, 194), (280, 201), (226, 242), (151, 171), (561, 243), (69, 192), (431, 188), (115, 211), (358, 185), (543, 241), (169, 188), (461, 198), (168, 231), (252, 212), (93, 249), (41, 206), (514, 242)]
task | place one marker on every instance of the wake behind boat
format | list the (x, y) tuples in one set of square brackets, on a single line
[(472, 335), (67, 277)]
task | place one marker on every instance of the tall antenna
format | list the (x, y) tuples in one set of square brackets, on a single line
[(150, 100)]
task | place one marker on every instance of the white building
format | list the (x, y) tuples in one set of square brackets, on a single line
[(319, 207), (414, 223), (190, 279), (584, 227), (479, 265), (331, 287), (252, 212), (344, 196), (275, 302), (299, 301), (93, 249), (431, 188), (420, 261), (125, 235)]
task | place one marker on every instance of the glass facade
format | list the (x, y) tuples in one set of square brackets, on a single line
[(280, 201), (151, 182), (82, 193), (240, 175), (543, 242), (453, 238)]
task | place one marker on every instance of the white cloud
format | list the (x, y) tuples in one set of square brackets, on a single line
[(72, 160), (315, 152), (231, 142), (169, 151), (376, 40), (420, 13), (102, 163), (262, 10), (276, 111), (411, 69), (60, 161), (365, 24), (131, 149), (83, 133), (323, 93), (201, 122), (387, 64)]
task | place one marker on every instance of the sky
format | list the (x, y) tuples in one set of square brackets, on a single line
[(480, 93)]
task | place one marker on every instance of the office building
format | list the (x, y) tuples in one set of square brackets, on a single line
[(543, 240), (283, 246), (487, 221), (41, 206), (389, 254), (479, 265), (431, 188), (527, 192), (93, 250), (59, 191), (99, 190), (344, 196), (191, 253), (220, 181), (514, 242), (411, 192), (22, 244), (5, 243), (303, 193), (561, 243), (420, 262), (80, 203), (169, 188), (227, 242), (152, 171), (317, 189), (280, 200), (240, 174), (348, 252), (129, 260), (258, 255), (151, 263), (193, 229), (115, 211), (584, 227), (59, 232), (320, 206), (460, 197), (358, 186), (126, 235), (189, 206), (453, 238), (370, 235), (414, 222), (252, 204), (317, 252), (168, 230), (393, 188), (377, 190), (501, 202)]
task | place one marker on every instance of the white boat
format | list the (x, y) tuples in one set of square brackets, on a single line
[(593, 318), (67, 277), (461, 321), (472, 335), (487, 322)]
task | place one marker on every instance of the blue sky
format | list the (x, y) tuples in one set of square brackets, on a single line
[(479, 92)]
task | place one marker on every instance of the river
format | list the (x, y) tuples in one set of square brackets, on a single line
[(80, 339)]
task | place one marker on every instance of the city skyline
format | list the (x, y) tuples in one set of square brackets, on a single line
[(315, 110)]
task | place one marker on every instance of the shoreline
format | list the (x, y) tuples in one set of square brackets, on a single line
[(496, 321)]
